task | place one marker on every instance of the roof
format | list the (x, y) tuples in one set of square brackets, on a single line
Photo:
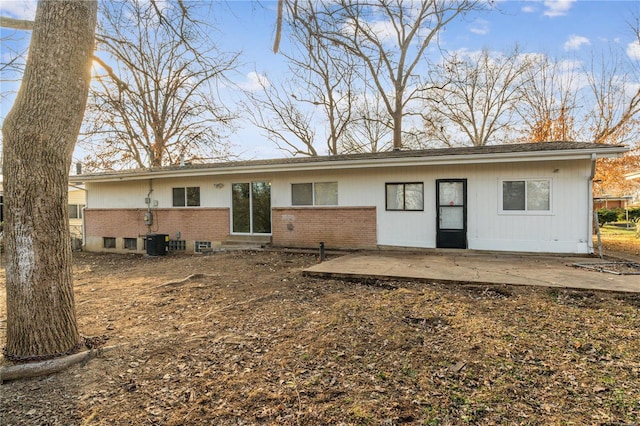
[(613, 198), (440, 156)]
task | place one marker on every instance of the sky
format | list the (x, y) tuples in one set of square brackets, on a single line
[(572, 28)]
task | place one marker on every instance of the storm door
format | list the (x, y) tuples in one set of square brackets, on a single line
[(251, 207), (451, 203)]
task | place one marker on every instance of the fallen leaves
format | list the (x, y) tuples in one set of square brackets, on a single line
[(245, 338)]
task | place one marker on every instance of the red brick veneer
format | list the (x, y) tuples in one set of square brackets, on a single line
[(337, 227), (202, 224)]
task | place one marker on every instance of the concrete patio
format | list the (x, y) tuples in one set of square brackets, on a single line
[(478, 267)]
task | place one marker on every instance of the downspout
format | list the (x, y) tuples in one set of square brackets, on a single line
[(593, 215), (149, 215), (84, 223)]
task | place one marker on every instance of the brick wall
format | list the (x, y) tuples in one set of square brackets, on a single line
[(202, 224), (337, 227)]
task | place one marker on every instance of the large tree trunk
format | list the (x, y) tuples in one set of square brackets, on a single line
[(39, 135)]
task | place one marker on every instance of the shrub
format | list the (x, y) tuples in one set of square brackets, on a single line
[(634, 214), (606, 216)]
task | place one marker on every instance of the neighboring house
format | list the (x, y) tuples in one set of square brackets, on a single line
[(636, 196), (77, 197), (521, 198), (610, 202), (633, 175), (77, 200)]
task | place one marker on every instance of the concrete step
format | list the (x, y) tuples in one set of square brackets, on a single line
[(247, 240)]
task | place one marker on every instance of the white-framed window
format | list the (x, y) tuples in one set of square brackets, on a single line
[(75, 211), (525, 195), (189, 196), (404, 196), (314, 194)]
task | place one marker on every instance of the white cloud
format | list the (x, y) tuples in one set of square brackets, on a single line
[(633, 50), (18, 9), (480, 27), (575, 42), (254, 82), (557, 7), (568, 65), (528, 9), (384, 30)]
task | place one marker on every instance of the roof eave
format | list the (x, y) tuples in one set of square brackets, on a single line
[(405, 161)]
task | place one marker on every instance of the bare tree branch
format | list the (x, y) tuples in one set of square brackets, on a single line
[(276, 41), (548, 101), (15, 24), (158, 99), (472, 99), (391, 59)]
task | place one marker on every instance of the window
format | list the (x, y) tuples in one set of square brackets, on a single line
[(314, 194), (405, 196), (109, 242), (131, 243), (189, 196), (526, 195), (75, 211)]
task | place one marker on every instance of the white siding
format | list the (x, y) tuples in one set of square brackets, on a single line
[(130, 194), (565, 229)]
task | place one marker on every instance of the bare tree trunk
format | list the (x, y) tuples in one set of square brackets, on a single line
[(398, 115), (39, 135)]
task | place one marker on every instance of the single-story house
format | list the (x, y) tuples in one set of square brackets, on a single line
[(612, 202), (520, 197)]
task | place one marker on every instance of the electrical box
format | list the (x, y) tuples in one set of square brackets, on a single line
[(148, 218)]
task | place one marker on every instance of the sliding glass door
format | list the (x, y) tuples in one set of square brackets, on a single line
[(251, 207)]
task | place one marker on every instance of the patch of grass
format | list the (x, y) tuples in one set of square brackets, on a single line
[(610, 230), (619, 239)]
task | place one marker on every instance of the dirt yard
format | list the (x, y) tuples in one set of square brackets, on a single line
[(242, 338)]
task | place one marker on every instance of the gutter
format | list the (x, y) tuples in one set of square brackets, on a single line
[(591, 217)]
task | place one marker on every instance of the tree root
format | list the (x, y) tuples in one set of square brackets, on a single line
[(184, 280), (50, 366)]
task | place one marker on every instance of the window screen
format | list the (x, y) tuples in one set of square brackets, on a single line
[(75, 211), (405, 196), (302, 194), (526, 195), (316, 193), (326, 193), (178, 197), (189, 196), (193, 196)]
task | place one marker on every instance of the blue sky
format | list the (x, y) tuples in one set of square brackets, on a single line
[(572, 28)]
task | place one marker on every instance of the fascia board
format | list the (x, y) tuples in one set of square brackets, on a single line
[(510, 157)]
